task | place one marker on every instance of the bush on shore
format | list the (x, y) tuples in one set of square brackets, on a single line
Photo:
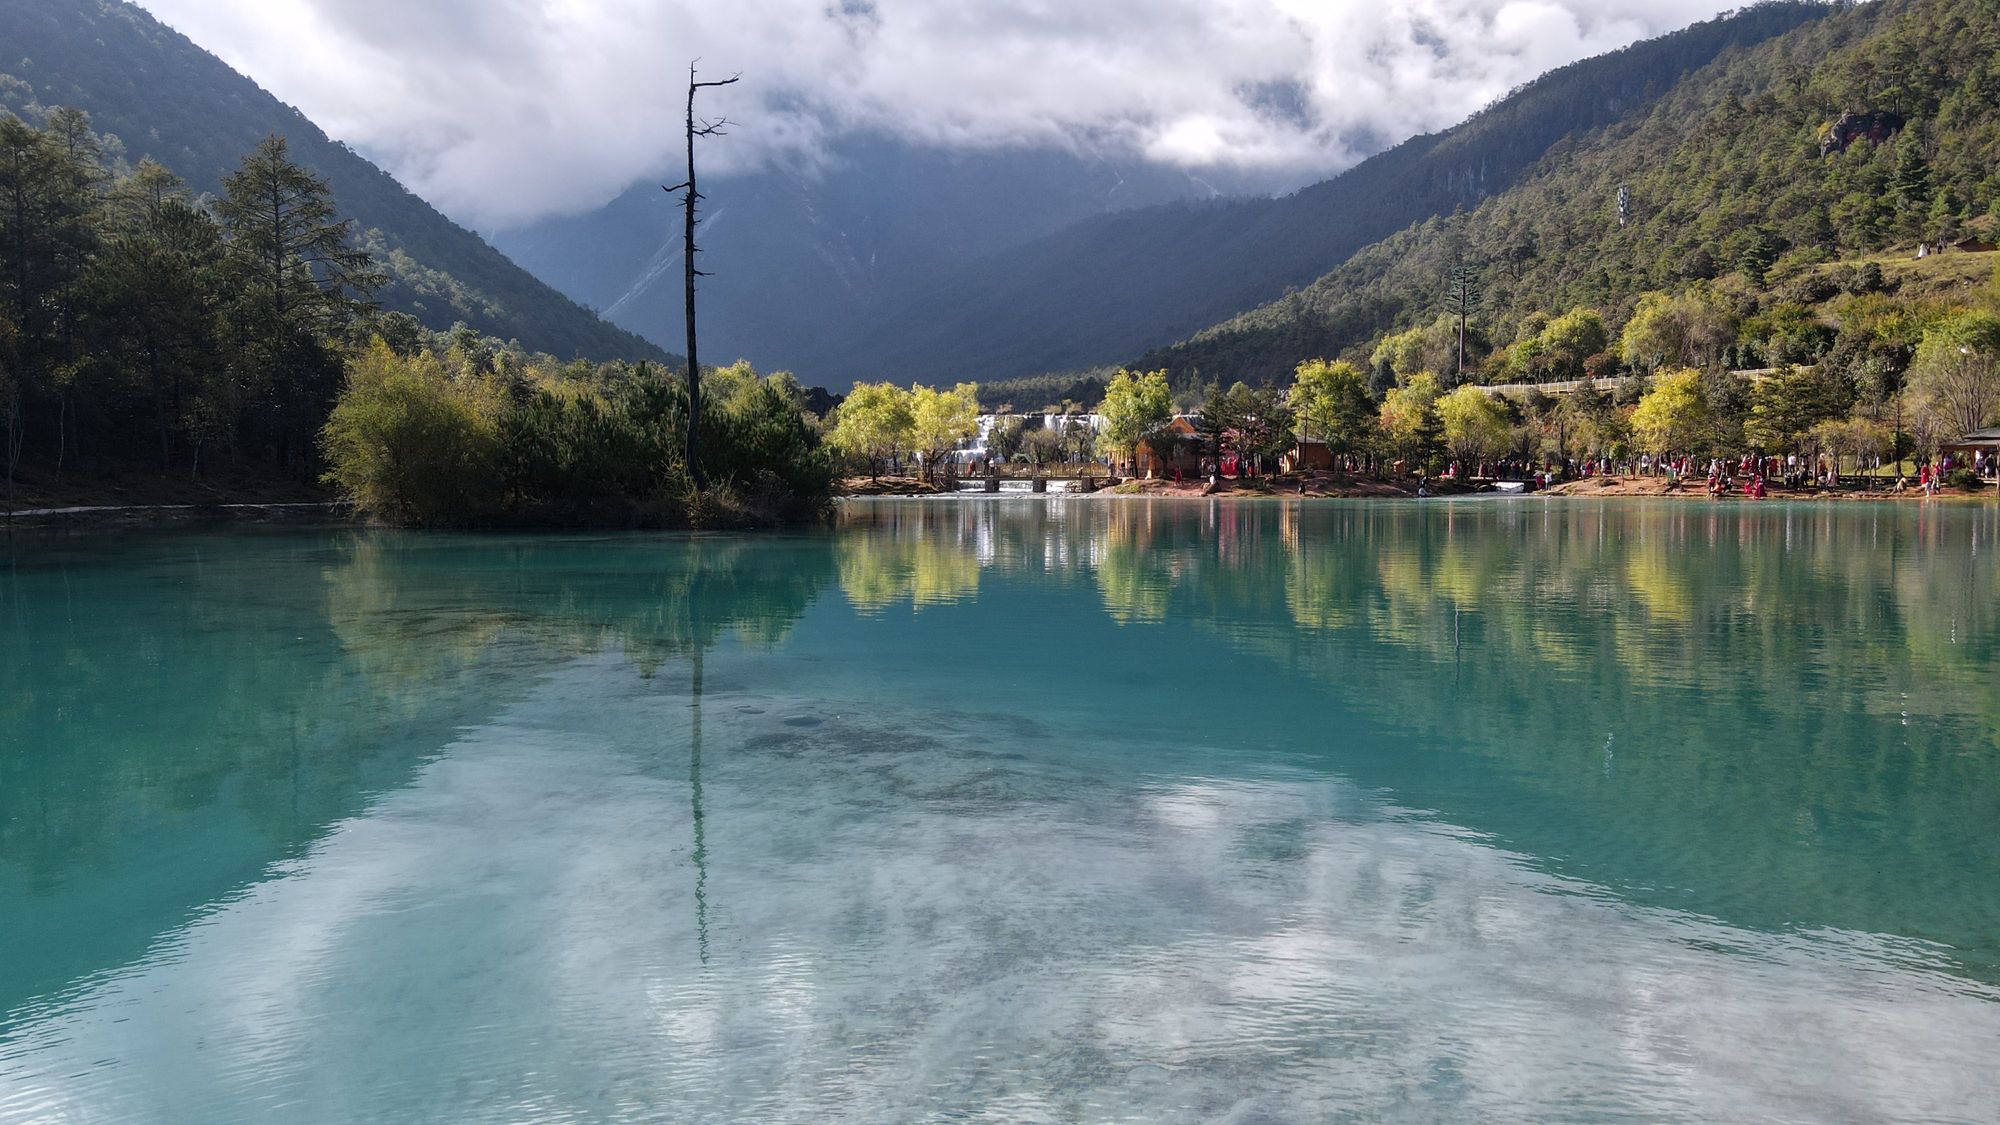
[(458, 440), (407, 445)]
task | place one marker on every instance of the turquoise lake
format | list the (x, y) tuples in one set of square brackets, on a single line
[(1011, 810)]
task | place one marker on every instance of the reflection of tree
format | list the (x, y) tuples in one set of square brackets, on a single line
[(254, 690), (1322, 587), (876, 573), (400, 603), (1137, 584), (926, 554), (396, 630), (1657, 584), (700, 853), (1781, 683)]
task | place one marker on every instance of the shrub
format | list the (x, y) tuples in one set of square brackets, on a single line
[(572, 449), (760, 437), (407, 444), (415, 443)]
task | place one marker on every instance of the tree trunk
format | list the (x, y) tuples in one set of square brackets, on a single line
[(692, 452)]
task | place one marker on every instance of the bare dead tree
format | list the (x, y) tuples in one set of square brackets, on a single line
[(696, 128)]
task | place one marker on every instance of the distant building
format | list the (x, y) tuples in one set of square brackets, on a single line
[(1182, 450), (1308, 453), (1970, 446)]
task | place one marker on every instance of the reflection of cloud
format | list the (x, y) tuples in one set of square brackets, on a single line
[(905, 927), (507, 110)]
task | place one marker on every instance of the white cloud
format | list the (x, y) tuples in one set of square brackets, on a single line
[(505, 110)]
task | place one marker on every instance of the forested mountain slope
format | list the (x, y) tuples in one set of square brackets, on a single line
[(1732, 182), (1104, 290), (166, 98)]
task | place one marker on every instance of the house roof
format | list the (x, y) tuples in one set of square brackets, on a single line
[(1988, 436)]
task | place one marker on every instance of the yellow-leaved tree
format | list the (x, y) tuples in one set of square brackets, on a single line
[(939, 421), (873, 424), (1674, 416)]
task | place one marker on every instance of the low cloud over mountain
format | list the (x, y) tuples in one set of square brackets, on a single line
[(504, 111)]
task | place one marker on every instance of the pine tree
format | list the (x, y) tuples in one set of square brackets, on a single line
[(1461, 297), (1911, 186), (47, 203), (159, 281), (301, 281)]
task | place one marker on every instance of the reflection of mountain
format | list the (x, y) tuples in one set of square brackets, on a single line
[(1779, 716), (180, 714)]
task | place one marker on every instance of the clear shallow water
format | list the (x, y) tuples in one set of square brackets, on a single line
[(1011, 810)]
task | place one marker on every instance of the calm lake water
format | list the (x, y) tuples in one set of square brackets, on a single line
[(1011, 810)]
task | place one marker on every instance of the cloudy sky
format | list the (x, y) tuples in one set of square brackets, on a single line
[(502, 111)]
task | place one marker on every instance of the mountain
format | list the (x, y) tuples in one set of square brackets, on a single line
[(800, 255), (1116, 284), (1736, 180), (166, 98)]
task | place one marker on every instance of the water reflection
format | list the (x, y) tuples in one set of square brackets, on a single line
[(182, 713), (1782, 715), (1275, 810), (699, 857), (908, 556), (911, 925)]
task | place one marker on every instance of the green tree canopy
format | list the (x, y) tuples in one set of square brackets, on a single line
[(1787, 407), (404, 445), (1330, 402), (1004, 441), (1256, 420), (1135, 407), (1954, 382), (159, 285), (298, 279), (1572, 338), (1428, 347), (1690, 329)]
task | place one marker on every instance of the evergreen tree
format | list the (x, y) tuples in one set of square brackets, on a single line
[(1461, 296), (1912, 182), (159, 283), (1913, 189), (300, 279), (47, 200)]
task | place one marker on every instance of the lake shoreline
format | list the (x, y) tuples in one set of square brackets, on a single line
[(88, 516), (1324, 486), (108, 516)]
